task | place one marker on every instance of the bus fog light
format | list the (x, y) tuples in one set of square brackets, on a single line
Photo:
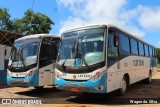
[(99, 88)]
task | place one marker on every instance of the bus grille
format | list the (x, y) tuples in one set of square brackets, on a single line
[(82, 88), (18, 83)]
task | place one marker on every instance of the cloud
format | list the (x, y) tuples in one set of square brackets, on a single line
[(149, 19), (88, 12), (67, 3)]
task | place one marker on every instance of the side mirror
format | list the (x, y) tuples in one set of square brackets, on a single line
[(116, 41)]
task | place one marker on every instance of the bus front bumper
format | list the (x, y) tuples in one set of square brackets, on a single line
[(98, 86), (25, 81)]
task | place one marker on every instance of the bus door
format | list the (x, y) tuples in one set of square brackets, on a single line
[(48, 53)]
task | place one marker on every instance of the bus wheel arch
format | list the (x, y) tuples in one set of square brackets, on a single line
[(124, 85), (128, 79), (148, 80)]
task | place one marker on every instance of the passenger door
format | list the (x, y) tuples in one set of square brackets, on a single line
[(113, 54), (48, 53)]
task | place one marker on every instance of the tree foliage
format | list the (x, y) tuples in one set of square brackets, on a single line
[(5, 22), (158, 54), (31, 23)]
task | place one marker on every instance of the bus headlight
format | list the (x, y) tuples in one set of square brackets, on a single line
[(97, 76), (31, 72), (58, 75)]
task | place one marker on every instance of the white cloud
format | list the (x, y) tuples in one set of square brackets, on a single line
[(67, 3), (87, 12), (149, 18)]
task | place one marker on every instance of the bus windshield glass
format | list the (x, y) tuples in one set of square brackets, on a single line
[(24, 53), (83, 47)]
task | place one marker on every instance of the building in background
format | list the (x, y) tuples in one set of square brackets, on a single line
[(6, 41)]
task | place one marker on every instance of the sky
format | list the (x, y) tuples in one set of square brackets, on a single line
[(138, 17)]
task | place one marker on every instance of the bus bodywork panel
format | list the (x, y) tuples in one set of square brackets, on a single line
[(110, 81), (85, 84), (137, 68), (23, 81), (4, 56), (39, 78)]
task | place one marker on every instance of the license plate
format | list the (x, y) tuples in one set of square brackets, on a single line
[(75, 90), (22, 74)]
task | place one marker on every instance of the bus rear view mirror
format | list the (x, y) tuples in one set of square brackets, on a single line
[(115, 41)]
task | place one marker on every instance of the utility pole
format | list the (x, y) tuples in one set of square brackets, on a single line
[(31, 17)]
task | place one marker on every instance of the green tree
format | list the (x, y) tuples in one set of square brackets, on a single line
[(33, 23), (5, 22), (158, 54)]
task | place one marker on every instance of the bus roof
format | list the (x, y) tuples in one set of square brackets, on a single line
[(109, 26), (37, 35)]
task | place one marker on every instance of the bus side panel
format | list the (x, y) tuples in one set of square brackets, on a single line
[(35, 79), (135, 66)]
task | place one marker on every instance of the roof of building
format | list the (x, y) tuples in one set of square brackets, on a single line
[(8, 38)]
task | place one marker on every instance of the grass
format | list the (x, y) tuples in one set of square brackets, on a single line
[(158, 65)]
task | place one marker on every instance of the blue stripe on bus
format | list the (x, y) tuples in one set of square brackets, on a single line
[(88, 84), (33, 80)]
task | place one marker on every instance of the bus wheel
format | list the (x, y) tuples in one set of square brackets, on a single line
[(38, 88), (124, 87), (149, 79)]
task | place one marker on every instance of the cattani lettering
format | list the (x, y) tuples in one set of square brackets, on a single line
[(138, 62)]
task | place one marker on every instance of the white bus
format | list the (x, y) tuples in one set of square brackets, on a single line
[(101, 59), (32, 61)]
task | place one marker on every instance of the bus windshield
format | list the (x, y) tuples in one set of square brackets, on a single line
[(82, 48), (24, 53)]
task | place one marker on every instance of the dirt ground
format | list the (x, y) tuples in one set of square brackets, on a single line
[(138, 92)]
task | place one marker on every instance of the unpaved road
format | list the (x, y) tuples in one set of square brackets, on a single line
[(60, 98)]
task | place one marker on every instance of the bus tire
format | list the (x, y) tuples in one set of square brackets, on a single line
[(39, 87), (149, 79), (124, 87)]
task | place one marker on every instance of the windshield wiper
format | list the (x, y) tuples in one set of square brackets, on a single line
[(22, 58), (73, 50), (20, 54), (87, 64)]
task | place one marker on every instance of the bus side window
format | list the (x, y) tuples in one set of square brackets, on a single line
[(112, 48)]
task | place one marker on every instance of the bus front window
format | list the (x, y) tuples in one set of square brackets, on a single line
[(86, 47), (24, 53)]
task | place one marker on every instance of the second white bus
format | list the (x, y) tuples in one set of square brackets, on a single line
[(101, 59)]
